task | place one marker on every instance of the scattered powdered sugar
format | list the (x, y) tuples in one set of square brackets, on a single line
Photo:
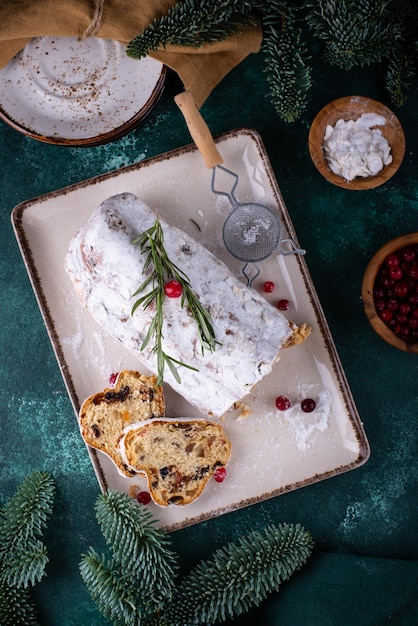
[(355, 149), (74, 343), (251, 234), (304, 426)]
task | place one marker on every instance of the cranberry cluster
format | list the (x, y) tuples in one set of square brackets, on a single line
[(269, 287), (284, 402), (396, 292)]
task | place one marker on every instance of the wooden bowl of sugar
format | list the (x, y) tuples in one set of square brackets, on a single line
[(356, 143)]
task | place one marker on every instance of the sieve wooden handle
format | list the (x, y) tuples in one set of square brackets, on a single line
[(198, 129)]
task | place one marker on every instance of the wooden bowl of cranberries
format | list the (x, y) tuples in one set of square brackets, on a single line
[(390, 292)]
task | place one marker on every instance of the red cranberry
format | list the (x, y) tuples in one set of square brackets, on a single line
[(283, 403), (404, 308), (401, 289), (219, 474), (283, 305), (143, 497), (408, 255), (173, 289), (388, 282), (393, 304), (386, 315), (308, 405), (396, 273), (392, 260), (268, 286), (413, 271)]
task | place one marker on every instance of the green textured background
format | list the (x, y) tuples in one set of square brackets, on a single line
[(364, 570)]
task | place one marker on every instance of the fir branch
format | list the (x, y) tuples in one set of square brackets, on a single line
[(161, 268), (16, 607), (355, 33), (26, 565), (286, 57), (113, 594), (140, 550), (22, 520), (403, 59), (192, 23), (240, 575)]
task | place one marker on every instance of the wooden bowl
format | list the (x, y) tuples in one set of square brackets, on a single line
[(368, 297), (351, 108)]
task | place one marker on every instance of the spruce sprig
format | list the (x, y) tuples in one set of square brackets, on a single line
[(193, 23), (114, 596), (355, 33), (129, 588), (16, 606), (148, 558), (23, 556), (160, 268), (286, 58), (138, 580), (240, 575), (351, 33)]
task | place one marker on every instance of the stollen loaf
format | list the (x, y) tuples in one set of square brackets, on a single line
[(106, 269)]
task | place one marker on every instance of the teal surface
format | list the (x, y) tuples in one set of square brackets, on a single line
[(364, 570)]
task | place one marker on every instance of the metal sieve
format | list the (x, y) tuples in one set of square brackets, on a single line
[(252, 231)]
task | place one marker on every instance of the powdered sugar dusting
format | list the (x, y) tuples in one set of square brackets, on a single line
[(305, 427)]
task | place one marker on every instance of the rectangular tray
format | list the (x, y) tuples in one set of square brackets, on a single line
[(273, 452)]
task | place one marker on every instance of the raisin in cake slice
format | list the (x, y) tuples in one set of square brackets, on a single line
[(106, 269), (178, 456), (103, 416)]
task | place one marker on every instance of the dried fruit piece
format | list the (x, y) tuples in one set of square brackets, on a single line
[(112, 378)]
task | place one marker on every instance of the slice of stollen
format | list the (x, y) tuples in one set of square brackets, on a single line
[(103, 416), (178, 456)]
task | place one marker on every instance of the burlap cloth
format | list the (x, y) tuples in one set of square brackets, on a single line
[(200, 69)]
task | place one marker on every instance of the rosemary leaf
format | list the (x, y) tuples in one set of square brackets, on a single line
[(162, 269), (151, 331), (172, 367)]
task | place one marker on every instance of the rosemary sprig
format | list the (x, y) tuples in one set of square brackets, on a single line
[(161, 268)]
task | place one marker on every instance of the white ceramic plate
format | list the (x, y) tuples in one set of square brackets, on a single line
[(70, 92), (273, 451)]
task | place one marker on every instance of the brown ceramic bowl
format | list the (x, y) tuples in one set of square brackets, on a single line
[(368, 288), (351, 108)]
